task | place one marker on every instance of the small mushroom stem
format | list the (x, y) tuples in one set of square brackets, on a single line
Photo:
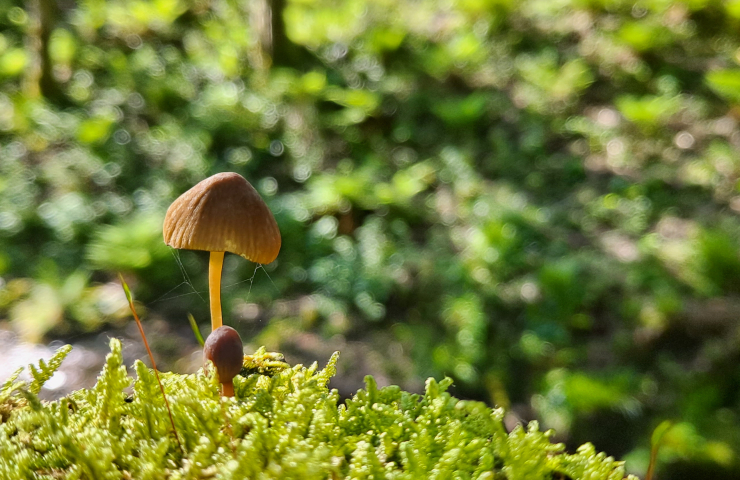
[(227, 389), (215, 264)]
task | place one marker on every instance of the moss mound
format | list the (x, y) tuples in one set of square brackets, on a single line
[(283, 423)]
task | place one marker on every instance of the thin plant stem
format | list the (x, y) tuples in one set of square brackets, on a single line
[(656, 439), (151, 357), (196, 330)]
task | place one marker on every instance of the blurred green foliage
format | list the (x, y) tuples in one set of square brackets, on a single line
[(539, 199)]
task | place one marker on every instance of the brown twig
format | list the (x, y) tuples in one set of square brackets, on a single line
[(151, 357)]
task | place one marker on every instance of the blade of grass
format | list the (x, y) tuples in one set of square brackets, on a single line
[(655, 441), (196, 330), (151, 357)]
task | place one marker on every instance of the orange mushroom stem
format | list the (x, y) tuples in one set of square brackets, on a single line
[(215, 265)]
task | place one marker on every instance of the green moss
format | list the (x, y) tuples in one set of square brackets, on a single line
[(283, 423)]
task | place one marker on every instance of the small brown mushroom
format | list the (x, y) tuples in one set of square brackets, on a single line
[(224, 348), (222, 213)]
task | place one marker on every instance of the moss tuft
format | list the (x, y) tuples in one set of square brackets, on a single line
[(283, 423)]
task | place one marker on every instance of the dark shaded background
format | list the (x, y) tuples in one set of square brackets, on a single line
[(539, 199)]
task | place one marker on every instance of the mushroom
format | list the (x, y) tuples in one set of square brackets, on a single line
[(223, 213), (224, 348)]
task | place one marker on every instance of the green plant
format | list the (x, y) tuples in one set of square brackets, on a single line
[(487, 189), (283, 423)]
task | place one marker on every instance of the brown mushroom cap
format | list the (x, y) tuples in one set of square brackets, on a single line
[(223, 213), (224, 348)]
